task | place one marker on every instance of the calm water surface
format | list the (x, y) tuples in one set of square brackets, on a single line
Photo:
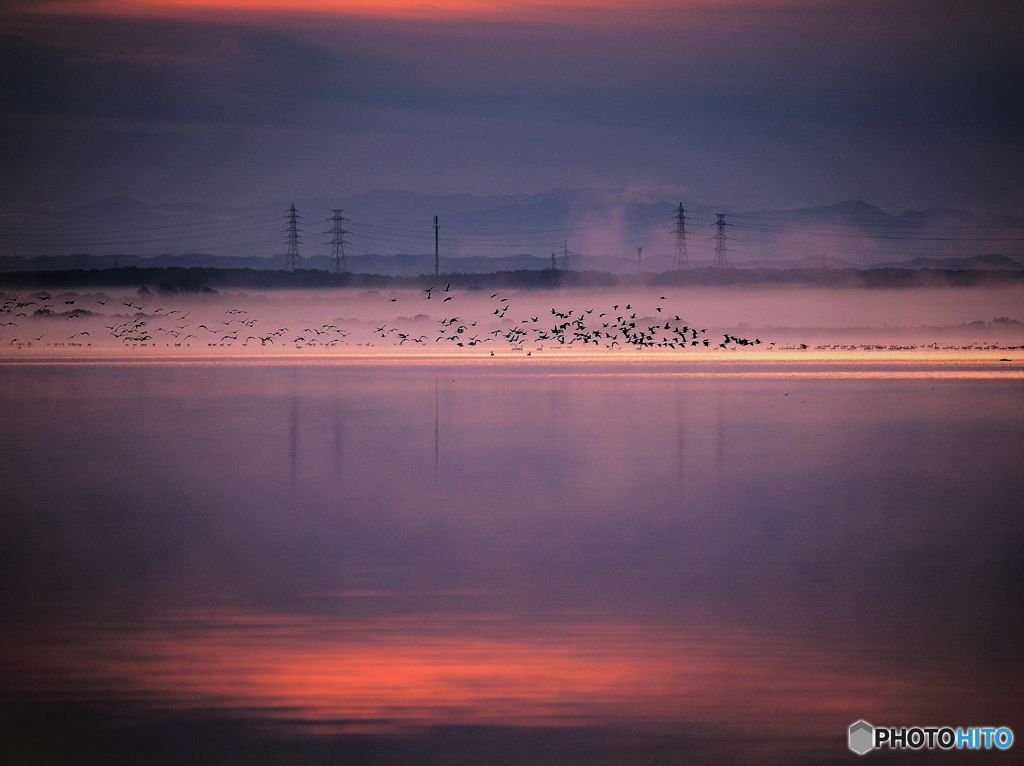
[(441, 564)]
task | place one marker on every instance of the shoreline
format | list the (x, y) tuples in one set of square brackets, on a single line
[(829, 364)]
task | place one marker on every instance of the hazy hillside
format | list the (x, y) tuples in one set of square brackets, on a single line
[(391, 232)]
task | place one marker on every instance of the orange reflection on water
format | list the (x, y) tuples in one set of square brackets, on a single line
[(473, 671), (925, 365)]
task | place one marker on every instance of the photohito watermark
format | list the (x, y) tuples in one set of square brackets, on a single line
[(863, 737)]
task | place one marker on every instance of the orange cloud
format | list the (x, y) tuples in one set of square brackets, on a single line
[(519, 9)]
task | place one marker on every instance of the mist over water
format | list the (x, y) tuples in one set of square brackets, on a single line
[(149, 321)]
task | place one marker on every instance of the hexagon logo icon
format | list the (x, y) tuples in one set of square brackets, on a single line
[(862, 735)]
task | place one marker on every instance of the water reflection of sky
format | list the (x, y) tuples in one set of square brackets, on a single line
[(354, 551)]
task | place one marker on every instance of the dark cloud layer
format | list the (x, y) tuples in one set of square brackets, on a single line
[(906, 104)]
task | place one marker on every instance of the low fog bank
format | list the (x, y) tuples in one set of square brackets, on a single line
[(443, 316)]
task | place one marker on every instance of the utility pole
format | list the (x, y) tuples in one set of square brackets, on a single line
[(639, 260), (437, 258), (721, 260), (338, 263), (292, 260), (682, 257)]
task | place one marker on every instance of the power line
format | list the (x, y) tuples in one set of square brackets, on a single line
[(785, 218), (28, 229), (765, 232)]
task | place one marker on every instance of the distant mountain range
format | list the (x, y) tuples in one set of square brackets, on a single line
[(391, 232)]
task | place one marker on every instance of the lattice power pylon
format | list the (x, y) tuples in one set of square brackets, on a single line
[(721, 257), (338, 263), (292, 261), (682, 257)]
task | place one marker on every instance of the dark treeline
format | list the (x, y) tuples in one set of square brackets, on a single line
[(198, 280)]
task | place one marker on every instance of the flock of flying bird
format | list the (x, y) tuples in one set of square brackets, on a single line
[(610, 329), (618, 326), (140, 326)]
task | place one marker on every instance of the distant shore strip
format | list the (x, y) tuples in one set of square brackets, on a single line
[(205, 279)]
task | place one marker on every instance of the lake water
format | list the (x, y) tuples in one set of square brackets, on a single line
[(288, 561)]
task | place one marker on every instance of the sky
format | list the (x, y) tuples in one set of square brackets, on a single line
[(908, 104)]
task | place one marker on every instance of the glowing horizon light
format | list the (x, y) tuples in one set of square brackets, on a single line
[(536, 9)]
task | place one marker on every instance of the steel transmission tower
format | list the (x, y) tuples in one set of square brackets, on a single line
[(682, 257), (721, 260), (338, 263), (437, 258), (292, 261)]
